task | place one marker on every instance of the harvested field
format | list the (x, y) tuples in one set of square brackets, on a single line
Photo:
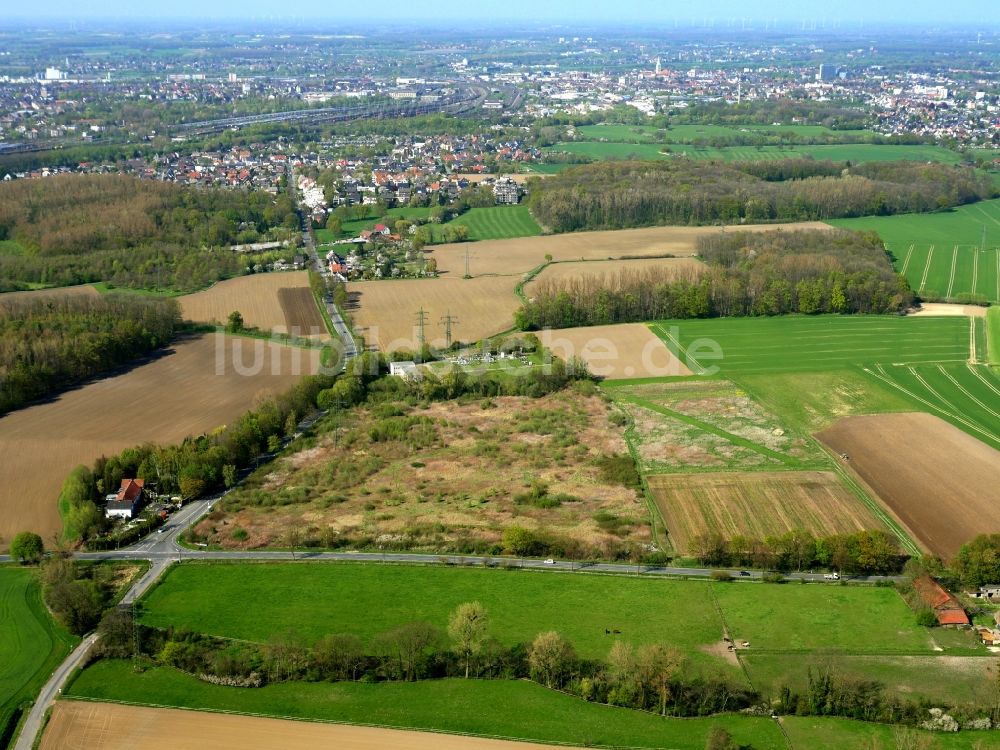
[(518, 256), (629, 350), (757, 504), (937, 480), (599, 272), (268, 301), (107, 726), (385, 312), (82, 290), (179, 394)]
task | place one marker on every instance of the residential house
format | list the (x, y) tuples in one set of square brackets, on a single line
[(990, 592), (506, 191), (127, 501)]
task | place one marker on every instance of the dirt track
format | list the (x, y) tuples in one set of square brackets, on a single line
[(940, 482), (163, 401), (107, 726), (518, 256)]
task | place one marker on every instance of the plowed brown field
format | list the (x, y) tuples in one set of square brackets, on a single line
[(518, 256), (385, 312), (629, 350), (268, 301), (757, 504), (78, 725), (195, 388), (939, 481)]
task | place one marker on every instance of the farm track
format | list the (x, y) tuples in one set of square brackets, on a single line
[(951, 278), (906, 263), (927, 268)]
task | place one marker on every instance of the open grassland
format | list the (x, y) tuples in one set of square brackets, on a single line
[(847, 152), (280, 302), (385, 312), (681, 133), (600, 272), (31, 643), (498, 223), (757, 505), (939, 679), (87, 725), (452, 477), (708, 425), (196, 386), (511, 709), (627, 350), (943, 255), (816, 732), (940, 482), (519, 256), (315, 600), (804, 344)]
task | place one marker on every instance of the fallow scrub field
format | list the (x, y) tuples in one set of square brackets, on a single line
[(757, 505), (443, 477), (603, 272), (280, 302), (519, 256), (31, 643), (498, 708), (939, 481), (950, 255), (198, 385), (386, 312)]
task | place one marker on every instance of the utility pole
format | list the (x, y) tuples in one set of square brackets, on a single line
[(135, 638), (421, 322), (467, 274), (448, 321)]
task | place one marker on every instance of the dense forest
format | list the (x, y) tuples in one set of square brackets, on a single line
[(747, 273), (48, 344), (620, 194), (73, 229)]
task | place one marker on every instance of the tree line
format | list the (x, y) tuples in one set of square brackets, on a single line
[(622, 194), (746, 273), (50, 343), (77, 229)]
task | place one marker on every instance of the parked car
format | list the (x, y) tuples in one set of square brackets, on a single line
[(832, 576)]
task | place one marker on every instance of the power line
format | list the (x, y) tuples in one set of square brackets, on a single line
[(448, 321), (421, 321)]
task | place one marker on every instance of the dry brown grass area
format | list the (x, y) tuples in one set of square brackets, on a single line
[(450, 482), (629, 350), (83, 290), (77, 725), (757, 505), (518, 256), (179, 394), (278, 302), (385, 312), (600, 272), (940, 482)]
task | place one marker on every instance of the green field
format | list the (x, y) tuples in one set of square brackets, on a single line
[(354, 227), (813, 732), (505, 708), (993, 335), (812, 344), (943, 254), (31, 644), (852, 152), (315, 600), (498, 223)]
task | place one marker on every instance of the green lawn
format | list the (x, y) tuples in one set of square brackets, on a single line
[(498, 223), (943, 254), (354, 227), (31, 644), (513, 709), (816, 343)]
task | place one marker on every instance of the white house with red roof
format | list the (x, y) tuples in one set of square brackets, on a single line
[(127, 501)]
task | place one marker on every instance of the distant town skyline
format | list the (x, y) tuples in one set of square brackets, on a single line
[(707, 13)]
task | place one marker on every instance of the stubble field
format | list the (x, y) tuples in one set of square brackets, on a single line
[(280, 302), (163, 401), (940, 482), (757, 505), (602, 272), (385, 312), (627, 350)]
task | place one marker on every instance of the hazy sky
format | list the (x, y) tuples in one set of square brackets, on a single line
[(519, 12)]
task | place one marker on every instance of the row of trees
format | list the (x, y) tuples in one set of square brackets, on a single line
[(871, 552), (616, 195), (748, 273), (138, 233), (49, 343)]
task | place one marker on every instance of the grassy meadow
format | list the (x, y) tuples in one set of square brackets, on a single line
[(498, 223), (31, 643)]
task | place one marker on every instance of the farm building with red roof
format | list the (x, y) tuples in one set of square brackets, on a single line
[(947, 609)]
